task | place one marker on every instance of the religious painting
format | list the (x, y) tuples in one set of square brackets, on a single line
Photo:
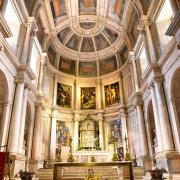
[(67, 65), (112, 95), (88, 98), (123, 55), (87, 6), (64, 94), (87, 25), (51, 55), (74, 42), (87, 45), (58, 8), (64, 34), (116, 133), (112, 36), (63, 135), (87, 69), (108, 65), (101, 42)]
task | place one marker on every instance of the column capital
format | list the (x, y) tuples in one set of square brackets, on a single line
[(145, 21), (31, 24), (137, 99)]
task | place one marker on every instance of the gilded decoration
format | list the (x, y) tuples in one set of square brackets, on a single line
[(88, 134), (112, 94), (88, 98), (64, 93)]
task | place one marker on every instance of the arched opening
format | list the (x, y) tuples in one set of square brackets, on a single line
[(176, 92), (3, 107), (152, 129)]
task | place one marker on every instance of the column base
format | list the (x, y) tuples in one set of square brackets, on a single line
[(17, 163), (169, 161), (34, 165), (145, 162)]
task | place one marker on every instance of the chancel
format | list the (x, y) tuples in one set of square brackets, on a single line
[(89, 89)]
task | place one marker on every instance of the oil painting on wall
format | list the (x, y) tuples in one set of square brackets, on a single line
[(87, 69), (58, 8), (108, 65), (87, 6), (116, 132), (63, 133), (112, 95), (64, 94), (67, 65), (88, 98)]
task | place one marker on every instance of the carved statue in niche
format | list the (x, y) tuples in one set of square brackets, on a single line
[(88, 134)]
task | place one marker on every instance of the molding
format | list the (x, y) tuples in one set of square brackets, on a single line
[(5, 30), (174, 26)]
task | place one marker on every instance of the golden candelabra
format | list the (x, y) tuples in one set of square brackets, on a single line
[(127, 155), (115, 155)]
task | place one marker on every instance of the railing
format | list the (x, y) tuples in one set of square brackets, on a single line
[(122, 169)]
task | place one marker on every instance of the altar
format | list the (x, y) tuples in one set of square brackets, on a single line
[(85, 156)]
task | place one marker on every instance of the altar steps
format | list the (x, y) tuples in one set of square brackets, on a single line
[(79, 173)]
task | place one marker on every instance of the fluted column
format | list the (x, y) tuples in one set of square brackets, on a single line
[(53, 137), (27, 40), (16, 117), (164, 117), (23, 119), (121, 90), (76, 131), (156, 118), (101, 131), (37, 138)]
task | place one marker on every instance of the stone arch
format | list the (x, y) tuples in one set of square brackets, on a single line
[(4, 98), (175, 106)]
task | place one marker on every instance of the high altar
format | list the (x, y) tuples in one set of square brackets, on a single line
[(92, 138)]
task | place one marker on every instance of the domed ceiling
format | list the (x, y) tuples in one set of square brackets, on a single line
[(91, 39)]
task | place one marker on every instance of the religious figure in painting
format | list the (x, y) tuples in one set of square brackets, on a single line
[(63, 134), (88, 98), (116, 132), (112, 95), (64, 95)]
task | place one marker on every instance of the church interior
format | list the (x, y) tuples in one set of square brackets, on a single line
[(89, 89)]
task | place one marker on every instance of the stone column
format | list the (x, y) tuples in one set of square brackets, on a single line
[(25, 50), (37, 138), (141, 124), (23, 119), (53, 137), (5, 123), (164, 117), (16, 118), (76, 131), (41, 73), (100, 94), (55, 91), (156, 118), (121, 90), (146, 23), (133, 61), (101, 130)]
